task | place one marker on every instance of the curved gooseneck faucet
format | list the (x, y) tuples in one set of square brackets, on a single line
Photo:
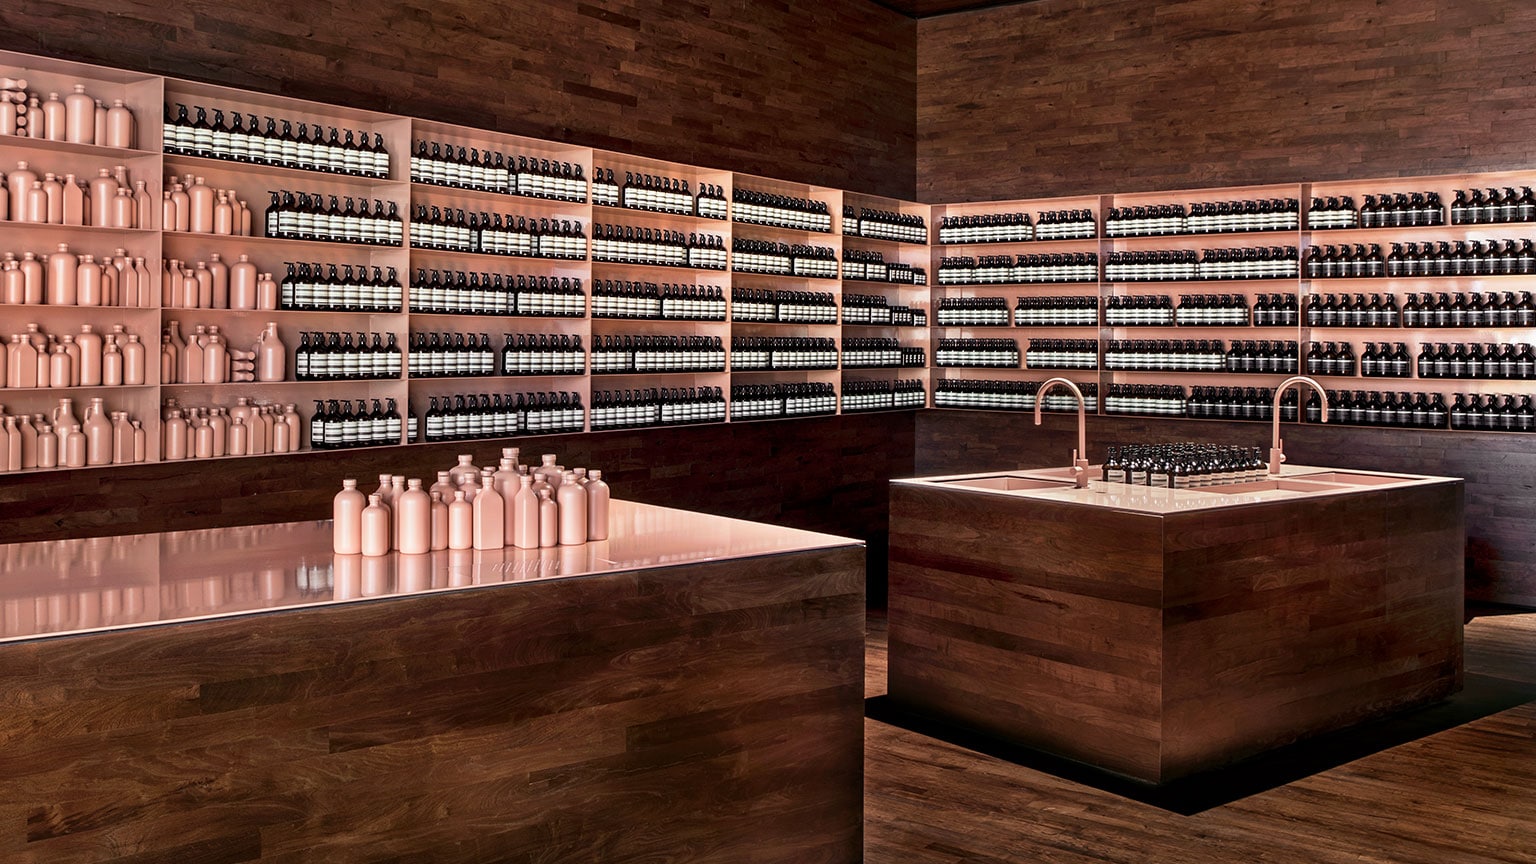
[(1080, 455), (1276, 453)]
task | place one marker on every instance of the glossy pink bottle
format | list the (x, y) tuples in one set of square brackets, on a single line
[(525, 514), (572, 499), (415, 519), (549, 520), (374, 528), (461, 522), (98, 434), (439, 522), (490, 518)]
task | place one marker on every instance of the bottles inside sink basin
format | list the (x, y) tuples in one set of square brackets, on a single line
[(1183, 465)]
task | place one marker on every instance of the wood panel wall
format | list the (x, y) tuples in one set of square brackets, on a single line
[(817, 91), (1065, 97), (1499, 469)]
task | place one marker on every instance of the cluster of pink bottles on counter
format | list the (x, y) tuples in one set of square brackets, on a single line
[(59, 439), (63, 278), (513, 504), (107, 200), (205, 356), (76, 118), (36, 358), (245, 429)]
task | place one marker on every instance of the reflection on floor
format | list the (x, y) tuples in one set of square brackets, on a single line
[(1465, 794)]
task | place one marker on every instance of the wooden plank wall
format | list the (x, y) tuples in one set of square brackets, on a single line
[(1063, 97), (708, 713), (808, 90), (1499, 469)]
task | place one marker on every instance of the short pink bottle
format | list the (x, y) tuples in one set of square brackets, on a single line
[(461, 522), (374, 528)]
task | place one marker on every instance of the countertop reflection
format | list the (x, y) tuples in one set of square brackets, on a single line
[(61, 587)]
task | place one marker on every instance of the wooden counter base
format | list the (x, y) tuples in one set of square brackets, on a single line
[(708, 712), (1159, 646)]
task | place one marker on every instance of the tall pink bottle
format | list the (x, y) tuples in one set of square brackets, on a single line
[(239, 437), (63, 273), (215, 359), (125, 210), (144, 206), (181, 209), (37, 204), (103, 189), (56, 119), (549, 519), (122, 438), (461, 522), (88, 289), (12, 440), (173, 434), (572, 499), (111, 362), (242, 284), (439, 522), (347, 519), (90, 356), (374, 528), (506, 483), (200, 196), (134, 361), (271, 355), (61, 368), (490, 517), (266, 292), (75, 449), (120, 128), (218, 271), (74, 201), (415, 518), (141, 442), (98, 433), (79, 117), (202, 439), (597, 506), (54, 191), (191, 371), (32, 278), (47, 448), (17, 183), (295, 425), (28, 435)]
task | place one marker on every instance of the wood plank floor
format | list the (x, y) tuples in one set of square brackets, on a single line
[(1464, 795)]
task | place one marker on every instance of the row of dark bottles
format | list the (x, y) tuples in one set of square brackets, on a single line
[(977, 353), (648, 301), (767, 305), (337, 424), (995, 395), (1213, 217), (986, 228), (660, 247), (455, 292), (451, 355), (1172, 265), (884, 225), (460, 167), (869, 265), (282, 143), (972, 311), (783, 259), (1166, 355), (1139, 310), (654, 193), (468, 416), (1503, 361), (666, 406), (1469, 310), (882, 395), (1380, 408), (1062, 354), (333, 356), (315, 287), (1384, 210), (780, 211), (1204, 310), (543, 354), (802, 399), (1057, 311), (750, 353), (1239, 403), (1155, 400), (880, 352), (1270, 356), (623, 354), (333, 219), (1344, 310), (1348, 261), (451, 229), (1333, 211), (1493, 413), (1462, 258), (877, 309), (1493, 207), (1074, 224), (1328, 358), (1051, 267), (1183, 465)]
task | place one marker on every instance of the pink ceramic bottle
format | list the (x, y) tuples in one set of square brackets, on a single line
[(525, 514), (143, 206), (32, 277), (439, 522), (28, 435), (242, 284), (200, 197), (173, 433), (239, 437), (181, 208), (444, 486), (37, 204), (572, 499), (57, 117), (74, 201), (54, 190), (120, 131), (74, 448), (98, 434), (90, 356), (12, 445), (266, 292), (506, 485), (18, 182), (374, 528), (223, 216), (141, 441), (463, 471), (218, 272), (63, 271), (111, 362), (191, 371), (47, 448), (215, 358), (88, 287), (415, 509), (79, 117), (549, 520), (271, 355), (347, 519), (295, 425), (103, 189), (125, 210), (461, 522), (61, 368), (63, 415), (490, 519)]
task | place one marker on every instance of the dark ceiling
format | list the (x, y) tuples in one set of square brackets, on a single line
[(927, 8)]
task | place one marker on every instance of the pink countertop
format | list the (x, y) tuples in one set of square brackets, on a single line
[(60, 587)]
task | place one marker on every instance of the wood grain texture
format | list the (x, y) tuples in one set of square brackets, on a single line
[(1157, 647), (1499, 470), (701, 713), (814, 92), (1461, 796), (1068, 97)]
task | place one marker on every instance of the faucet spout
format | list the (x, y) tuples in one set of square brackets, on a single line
[(1276, 449), (1080, 455)]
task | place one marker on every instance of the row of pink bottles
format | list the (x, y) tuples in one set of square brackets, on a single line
[(108, 200), (63, 278), (212, 284), (90, 359), (473, 508), (61, 440), (77, 117), (192, 205), (204, 356), (246, 429)]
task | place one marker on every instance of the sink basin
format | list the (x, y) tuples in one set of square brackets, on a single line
[(1008, 483), (1349, 479), (1284, 484)]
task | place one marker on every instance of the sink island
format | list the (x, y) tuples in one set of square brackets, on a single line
[(1157, 633)]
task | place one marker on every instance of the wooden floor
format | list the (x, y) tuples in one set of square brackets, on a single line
[(1464, 795)]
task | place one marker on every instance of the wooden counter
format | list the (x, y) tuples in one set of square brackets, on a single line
[(689, 690), (1155, 636)]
